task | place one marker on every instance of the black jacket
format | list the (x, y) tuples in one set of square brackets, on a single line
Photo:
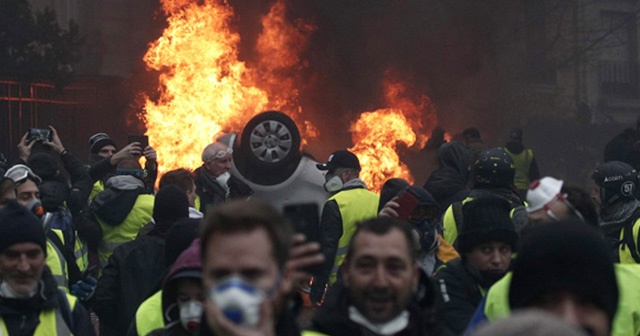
[(333, 317), (21, 317), (211, 193), (132, 275), (449, 183), (461, 294)]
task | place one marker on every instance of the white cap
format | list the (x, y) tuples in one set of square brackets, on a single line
[(542, 192)]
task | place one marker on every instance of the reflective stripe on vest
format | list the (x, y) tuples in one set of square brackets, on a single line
[(355, 206), (625, 250), (149, 314), (52, 322), (81, 253), (522, 162), (57, 264), (114, 236), (627, 318), (312, 333)]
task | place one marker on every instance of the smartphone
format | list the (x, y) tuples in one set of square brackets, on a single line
[(142, 139), (408, 201), (305, 218), (39, 134)]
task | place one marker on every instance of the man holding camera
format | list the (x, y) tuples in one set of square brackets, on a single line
[(350, 204)]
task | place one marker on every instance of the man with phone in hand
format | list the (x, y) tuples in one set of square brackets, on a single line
[(105, 157), (350, 204)]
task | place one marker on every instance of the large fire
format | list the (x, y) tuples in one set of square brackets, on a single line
[(376, 135), (206, 90)]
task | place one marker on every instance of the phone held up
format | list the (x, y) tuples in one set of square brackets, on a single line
[(39, 135), (408, 201), (142, 139)]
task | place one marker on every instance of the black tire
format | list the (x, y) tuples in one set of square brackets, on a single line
[(271, 140)]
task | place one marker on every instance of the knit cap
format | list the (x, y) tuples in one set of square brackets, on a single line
[(170, 204), (564, 256), (99, 140), (486, 219), (19, 225)]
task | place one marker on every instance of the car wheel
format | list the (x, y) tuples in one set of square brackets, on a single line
[(271, 140)]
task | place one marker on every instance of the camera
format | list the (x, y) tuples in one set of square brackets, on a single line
[(39, 134)]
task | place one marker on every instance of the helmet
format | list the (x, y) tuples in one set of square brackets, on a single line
[(617, 181), (494, 168)]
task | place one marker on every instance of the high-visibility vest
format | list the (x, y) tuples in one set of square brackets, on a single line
[(312, 333), (149, 315), (114, 236), (57, 264), (52, 322), (96, 189), (522, 162), (355, 206), (629, 245), (627, 318)]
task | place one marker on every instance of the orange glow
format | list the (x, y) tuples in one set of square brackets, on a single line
[(376, 134), (205, 90)]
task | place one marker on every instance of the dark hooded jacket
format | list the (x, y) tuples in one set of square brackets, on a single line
[(21, 317), (188, 265), (449, 183)]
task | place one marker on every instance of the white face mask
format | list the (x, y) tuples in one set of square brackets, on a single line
[(190, 314), (238, 300), (223, 178), (333, 184)]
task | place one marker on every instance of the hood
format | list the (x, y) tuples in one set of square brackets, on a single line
[(188, 265), (124, 182), (457, 156)]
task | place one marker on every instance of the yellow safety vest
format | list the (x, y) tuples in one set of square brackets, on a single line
[(522, 162), (149, 315), (626, 321), (51, 321), (57, 264), (312, 333), (96, 189), (355, 206), (114, 236), (625, 250)]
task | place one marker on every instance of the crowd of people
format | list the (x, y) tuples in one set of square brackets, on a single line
[(97, 249)]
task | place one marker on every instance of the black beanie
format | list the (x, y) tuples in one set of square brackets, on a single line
[(43, 165), (19, 225), (564, 256), (486, 219), (390, 189), (170, 204), (99, 140)]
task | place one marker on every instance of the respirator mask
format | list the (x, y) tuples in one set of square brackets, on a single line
[(239, 300), (190, 314), (333, 182)]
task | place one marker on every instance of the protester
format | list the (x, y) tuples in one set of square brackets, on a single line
[(566, 268), (7, 191), (30, 301), (549, 200), (531, 322), (380, 278), (249, 269), (185, 180), (136, 267), (614, 191), (349, 204), (526, 165), (493, 176), (182, 295), (450, 183), (473, 140), (486, 242), (214, 182)]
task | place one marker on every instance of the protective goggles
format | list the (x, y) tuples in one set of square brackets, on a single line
[(19, 174), (221, 154), (562, 198)]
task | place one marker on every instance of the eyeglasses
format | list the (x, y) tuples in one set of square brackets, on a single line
[(221, 154), (19, 173)]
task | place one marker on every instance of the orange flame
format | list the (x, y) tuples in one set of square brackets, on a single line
[(377, 133), (205, 88)]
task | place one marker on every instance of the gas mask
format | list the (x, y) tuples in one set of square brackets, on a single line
[(190, 314), (333, 183), (238, 300)]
